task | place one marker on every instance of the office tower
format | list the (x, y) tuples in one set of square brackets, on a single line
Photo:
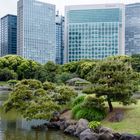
[(132, 30), (8, 35), (94, 31), (36, 36), (59, 39)]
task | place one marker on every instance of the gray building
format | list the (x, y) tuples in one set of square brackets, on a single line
[(132, 31), (8, 35), (59, 39), (36, 38), (94, 31)]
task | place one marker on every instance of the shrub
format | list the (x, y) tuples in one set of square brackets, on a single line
[(94, 124), (32, 84), (90, 114), (65, 94), (92, 101), (48, 86), (76, 109), (78, 100), (6, 74), (89, 107)]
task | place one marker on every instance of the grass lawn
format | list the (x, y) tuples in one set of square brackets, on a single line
[(131, 121)]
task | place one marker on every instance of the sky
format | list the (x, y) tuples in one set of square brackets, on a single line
[(10, 6)]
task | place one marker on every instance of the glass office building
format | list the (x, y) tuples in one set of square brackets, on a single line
[(8, 35), (59, 39), (94, 31), (36, 38), (132, 31)]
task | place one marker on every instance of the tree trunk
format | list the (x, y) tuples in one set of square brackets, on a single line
[(109, 104)]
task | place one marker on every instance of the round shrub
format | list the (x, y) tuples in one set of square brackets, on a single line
[(48, 86)]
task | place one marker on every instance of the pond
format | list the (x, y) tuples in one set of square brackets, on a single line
[(13, 127)]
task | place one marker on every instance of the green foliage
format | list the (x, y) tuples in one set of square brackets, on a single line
[(22, 67), (76, 109), (48, 86), (51, 70), (90, 114), (94, 124), (27, 69), (78, 100), (31, 83), (64, 94), (92, 101), (89, 107), (115, 79), (31, 100), (136, 62), (85, 67), (70, 67), (63, 77), (6, 74), (12, 82), (35, 100)]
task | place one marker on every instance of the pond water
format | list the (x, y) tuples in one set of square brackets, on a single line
[(13, 127)]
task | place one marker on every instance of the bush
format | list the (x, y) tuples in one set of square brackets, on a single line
[(6, 74), (65, 94), (48, 86), (90, 114), (76, 109), (78, 100), (94, 124), (89, 107), (32, 84), (92, 101)]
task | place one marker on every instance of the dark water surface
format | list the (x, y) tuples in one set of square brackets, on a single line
[(13, 127)]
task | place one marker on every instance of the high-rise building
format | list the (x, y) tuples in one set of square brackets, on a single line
[(59, 39), (8, 35), (132, 30), (94, 31), (36, 38)]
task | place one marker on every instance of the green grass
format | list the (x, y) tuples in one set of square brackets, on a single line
[(131, 121)]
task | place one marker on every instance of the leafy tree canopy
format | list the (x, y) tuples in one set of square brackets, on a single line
[(115, 79)]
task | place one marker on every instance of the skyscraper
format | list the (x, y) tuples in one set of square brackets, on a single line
[(36, 30), (94, 31), (8, 35), (59, 39), (132, 31)]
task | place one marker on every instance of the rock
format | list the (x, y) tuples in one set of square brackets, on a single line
[(70, 122), (106, 136), (117, 117), (117, 136), (62, 125), (55, 117), (70, 129), (105, 130), (81, 126), (88, 135), (129, 137), (54, 125)]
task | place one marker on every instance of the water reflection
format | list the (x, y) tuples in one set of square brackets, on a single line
[(12, 127)]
